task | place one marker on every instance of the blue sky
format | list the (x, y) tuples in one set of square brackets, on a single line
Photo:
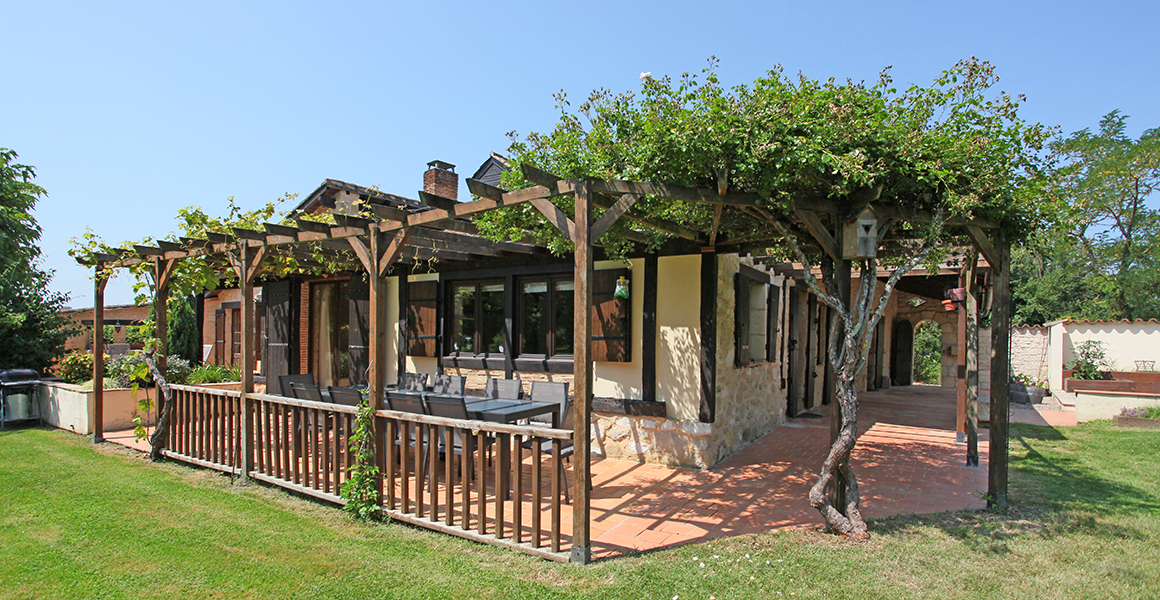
[(132, 111)]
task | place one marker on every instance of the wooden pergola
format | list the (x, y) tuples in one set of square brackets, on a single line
[(439, 228)]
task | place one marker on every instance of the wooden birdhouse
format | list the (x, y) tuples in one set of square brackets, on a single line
[(860, 236)]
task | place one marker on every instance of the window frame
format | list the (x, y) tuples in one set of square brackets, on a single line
[(550, 279), (477, 339)]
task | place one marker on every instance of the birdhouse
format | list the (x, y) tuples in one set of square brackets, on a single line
[(860, 236)]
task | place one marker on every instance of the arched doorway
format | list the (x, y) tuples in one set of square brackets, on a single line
[(927, 366), (901, 353)]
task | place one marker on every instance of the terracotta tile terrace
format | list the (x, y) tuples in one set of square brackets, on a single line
[(906, 458)]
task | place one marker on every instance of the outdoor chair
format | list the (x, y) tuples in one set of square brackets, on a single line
[(548, 391), (449, 384), (414, 382), (414, 403), (566, 448), (347, 396), (284, 382), (508, 389), (306, 391)]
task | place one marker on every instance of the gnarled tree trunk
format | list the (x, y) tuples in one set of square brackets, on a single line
[(160, 436)]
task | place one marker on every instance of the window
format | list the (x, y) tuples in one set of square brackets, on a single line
[(477, 317), (545, 316), (756, 318)]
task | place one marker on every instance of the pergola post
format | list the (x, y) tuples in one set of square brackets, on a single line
[(971, 309), (1000, 373), (582, 375), (842, 281), (99, 281), (162, 269), (245, 263), (377, 257)]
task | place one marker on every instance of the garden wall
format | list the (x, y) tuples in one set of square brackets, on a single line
[(65, 406)]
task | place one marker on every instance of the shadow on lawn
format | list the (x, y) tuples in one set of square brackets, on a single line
[(1053, 493)]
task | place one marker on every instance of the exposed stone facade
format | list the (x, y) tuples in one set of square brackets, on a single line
[(1029, 351)]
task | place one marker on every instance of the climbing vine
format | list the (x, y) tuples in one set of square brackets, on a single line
[(361, 490)]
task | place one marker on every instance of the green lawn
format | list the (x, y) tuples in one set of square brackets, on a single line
[(78, 521)]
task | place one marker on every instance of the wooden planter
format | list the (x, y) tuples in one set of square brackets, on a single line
[(1137, 422)]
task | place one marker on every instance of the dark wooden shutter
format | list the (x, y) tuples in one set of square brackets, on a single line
[(358, 346), (421, 317), (219, 340), (741, 320), (281, 326), (236, 336), (611, 321), (771, 313)]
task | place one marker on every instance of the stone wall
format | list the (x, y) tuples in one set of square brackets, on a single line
[(750, 401)]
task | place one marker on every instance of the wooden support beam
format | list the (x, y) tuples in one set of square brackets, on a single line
[(716, 225), (582, 376), (162, 272), (484, 190), (972, 311), (1000, 374), (464, 209), (148, 250), (247, 259), (346, 221), (844, 291), (248, 234), (362, 252), (663, 225), (983, 244), (99, 281), (613, 214), (218, 238), (435, 201), (817, 229), (675, 192), (391, 251), (168, 246), (556, 217)]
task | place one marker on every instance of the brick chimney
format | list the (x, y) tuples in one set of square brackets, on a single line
[(440, 179)]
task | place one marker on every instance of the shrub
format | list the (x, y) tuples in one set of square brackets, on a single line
[(109, 384), (123, 367), (77, 367), (213, 374), (1090, 357), (137, 334), (1028, 381)]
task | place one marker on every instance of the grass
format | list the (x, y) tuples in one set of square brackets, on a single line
[(78, 521)]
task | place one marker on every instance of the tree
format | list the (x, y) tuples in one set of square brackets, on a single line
[(947, 150), (30, 324), (1102, 260), (182, 336)]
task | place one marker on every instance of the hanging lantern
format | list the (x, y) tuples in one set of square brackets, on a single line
[(860, 236)]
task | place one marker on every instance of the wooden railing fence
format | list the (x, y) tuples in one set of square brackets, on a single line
[(489, 482)]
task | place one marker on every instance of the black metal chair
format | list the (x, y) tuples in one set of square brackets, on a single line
[(284, 382), (508, 389), (413, 382), (449, 384), (347, 396)]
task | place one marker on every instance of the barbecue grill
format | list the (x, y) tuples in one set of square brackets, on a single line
[(18, 399)]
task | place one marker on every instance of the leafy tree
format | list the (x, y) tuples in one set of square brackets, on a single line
[(30, 324), (1102, 261), (951, 149)]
